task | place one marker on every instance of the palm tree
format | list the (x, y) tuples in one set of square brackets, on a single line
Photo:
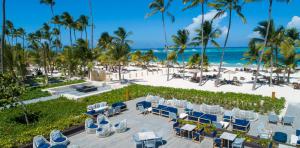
[(205, 35), (192, 4), (265, 40), (105, 41), (161, 6), (252, 55), (67, 21), (56, 20), (51, 3), (2, 36), (83, 23), (181, 41), (290, 56), (120, 48), (149, 56), (222, 7)]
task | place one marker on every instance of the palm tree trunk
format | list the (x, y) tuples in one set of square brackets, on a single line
[(289, 74), (119, 71), (45, 66), (86, 37), (74, 33), (223, 49), (166, 43), (271, 73), (202, 40), (70, 31), (2, 37), (183, 66), (265, 44), (92, 27)]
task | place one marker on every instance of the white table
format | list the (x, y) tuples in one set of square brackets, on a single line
[(101, 108), (149, 109), (224, 124), (142, 136), (229, 137), (189, 128), (183, 115)]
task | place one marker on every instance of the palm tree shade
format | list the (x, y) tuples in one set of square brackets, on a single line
[(160, 6)]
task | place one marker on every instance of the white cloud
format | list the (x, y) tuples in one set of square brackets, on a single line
[(208, 16), (294, 23), (254, 34)]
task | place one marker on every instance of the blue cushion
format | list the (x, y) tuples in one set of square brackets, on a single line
[(39, 141), (60, 139), (99, 129), (92, 126), (104, 122), (280, 137), (298, 132), (44, 145), (116, 125), (56, 136), (298, 142), (241, 122)]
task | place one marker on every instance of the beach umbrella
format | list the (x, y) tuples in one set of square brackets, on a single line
[(230, 72)]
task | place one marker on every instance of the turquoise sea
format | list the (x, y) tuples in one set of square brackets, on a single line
[(232, 57)]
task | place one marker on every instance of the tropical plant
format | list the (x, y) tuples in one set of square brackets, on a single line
[(209, 34), (51, 3), (265, 40), (136, 57), (194, 60), (68, 22), (161, 6), (148, 57), (222, 6), (181, 41), (194, 3)]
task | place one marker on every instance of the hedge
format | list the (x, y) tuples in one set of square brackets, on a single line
[(63, 113)]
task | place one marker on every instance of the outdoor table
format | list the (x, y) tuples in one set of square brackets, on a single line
[(188, 128), (149, 110), (143, 136), (229, 138), (101, 109)]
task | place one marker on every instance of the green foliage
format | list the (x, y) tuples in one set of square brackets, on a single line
[(10, 90)]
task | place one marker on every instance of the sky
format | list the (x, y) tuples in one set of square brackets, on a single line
[(148, 32)]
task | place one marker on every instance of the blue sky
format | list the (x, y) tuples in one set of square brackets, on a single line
[(147, 33)]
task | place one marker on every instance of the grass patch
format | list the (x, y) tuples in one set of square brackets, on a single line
[(63, 113)]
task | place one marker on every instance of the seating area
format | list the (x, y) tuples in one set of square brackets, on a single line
[(103, 108), (176, 125), (57, 139), (97, 108)]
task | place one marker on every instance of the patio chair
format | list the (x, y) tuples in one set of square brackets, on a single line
[(217, 143), (161, 101), (197, 135), (145, 104), (188, 107), (208, 118), (238, 143), (263, 132), (57, 138), (280, 137), (121, 126), (177, 131), (173, 116), (273, 118), (121, 105), (104, 131), (195, 116), (288, 120), (40, 142), (90, 127), (241, 125), (150, 143), (142, 109), (228, 116), (218, 125), (176, 124), (102, 120)]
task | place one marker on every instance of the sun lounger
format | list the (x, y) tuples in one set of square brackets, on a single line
[(195, 116), (280, 137), (241, 125), (57, 138), (288, 120), (122, 105), (40, 142)]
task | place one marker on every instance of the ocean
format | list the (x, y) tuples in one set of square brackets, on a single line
[(232, 57)]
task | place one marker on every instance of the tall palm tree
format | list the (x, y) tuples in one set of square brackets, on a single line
[(181, 41), (51, 3), (105, 41), (192, 4), (120, 48), (207, 33), (265, 40), (2, 36), (67, 21), (222, 6), (160, 6), (57, 21)]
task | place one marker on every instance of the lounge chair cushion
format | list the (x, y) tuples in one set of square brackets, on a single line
[(56, 136), (44, 145), (280, 137), (92, 126), (116, 125), (60, 139), (298, 133), (104, 122)]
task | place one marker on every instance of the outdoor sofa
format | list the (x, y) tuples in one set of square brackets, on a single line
[(241, 125)]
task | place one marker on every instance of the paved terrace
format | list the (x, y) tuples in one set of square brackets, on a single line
[(161, 125)]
